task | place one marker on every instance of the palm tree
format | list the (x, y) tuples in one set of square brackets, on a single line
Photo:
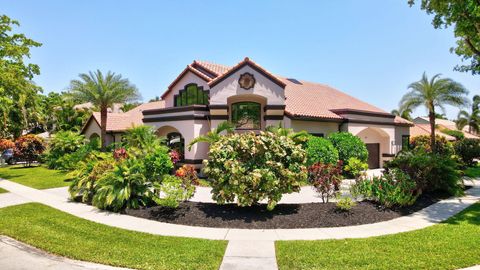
[(214, 134), (434, 93), (405, 114), (472, 120), (297, 137), (103, 91)]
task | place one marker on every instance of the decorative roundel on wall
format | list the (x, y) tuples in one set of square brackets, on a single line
[(246, 81)]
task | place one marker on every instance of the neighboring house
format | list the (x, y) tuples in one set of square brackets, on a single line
[(424, 130), (118, 122), (441, 124), (117, 107), (205, 94)]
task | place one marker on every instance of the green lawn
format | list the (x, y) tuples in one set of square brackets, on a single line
[(473, 172), (450, 245), (3, 190), (63, 234), (36, 177)]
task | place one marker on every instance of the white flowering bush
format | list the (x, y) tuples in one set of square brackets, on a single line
[(252, 167)]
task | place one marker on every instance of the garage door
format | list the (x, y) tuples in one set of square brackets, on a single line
[(373, 155)]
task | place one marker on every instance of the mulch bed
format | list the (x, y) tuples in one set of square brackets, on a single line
[(284, 216)]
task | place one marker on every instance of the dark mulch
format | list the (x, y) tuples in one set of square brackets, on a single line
[(284, 216)]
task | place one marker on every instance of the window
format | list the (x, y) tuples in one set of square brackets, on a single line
[(192, 94), (405, 141), (317, 135), (246, 115)]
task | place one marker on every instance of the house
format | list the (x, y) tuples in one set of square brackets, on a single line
[(205, 94), (441, 125)]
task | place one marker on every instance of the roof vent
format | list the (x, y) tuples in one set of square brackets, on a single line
[(295, 81)]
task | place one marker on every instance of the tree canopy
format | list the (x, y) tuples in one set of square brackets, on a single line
[(464, 16)]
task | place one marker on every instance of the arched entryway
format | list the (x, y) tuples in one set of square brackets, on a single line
[(174, 139), (377, 142)]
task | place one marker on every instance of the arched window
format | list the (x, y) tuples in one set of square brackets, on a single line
[(246, 115), (192, 94)]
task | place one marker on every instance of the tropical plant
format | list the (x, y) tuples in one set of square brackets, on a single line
[(431, 171), (422, 142), (252, 167), (345, 203), (349, 146), (404, 113), (468, 150), (320, 150), (472, 119), (141, 137), (103, 91), (394, 188), (300, 137), (85, 177), (325, 178), (213, 135), (355, 167), (29, 148), (175, 190), (61, 144), (188, 174), (432, 94), (124, 187)]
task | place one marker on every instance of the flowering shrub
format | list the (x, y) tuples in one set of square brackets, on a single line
[(120, 153), (29, 148), (325, 178), (175, 156), (348, 146), (6, 144), (175, 190), (251, 167), (188, 174), (422, 143), (394, 188), (320, 150)]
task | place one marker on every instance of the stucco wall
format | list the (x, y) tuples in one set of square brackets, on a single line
[(312, 126), (94, 128), (264, 87)]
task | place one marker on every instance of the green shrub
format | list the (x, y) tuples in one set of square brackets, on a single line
[(468, 150), (320, 150), (124, 187), (394, 188), (326, 179), (431, 172), (175, 190), (61, 144), (422, 143), (87, 174), (252, 167), (454, 133), (349, 146), (355, 167), (345, 203)]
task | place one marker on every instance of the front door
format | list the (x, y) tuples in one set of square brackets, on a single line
[(373, 155)]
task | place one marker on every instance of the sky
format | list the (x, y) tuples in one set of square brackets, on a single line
[(369, 49)]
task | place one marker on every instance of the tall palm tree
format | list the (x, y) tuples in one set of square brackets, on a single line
[(472, 119), (214, 134), (103, 91), (434, 93)]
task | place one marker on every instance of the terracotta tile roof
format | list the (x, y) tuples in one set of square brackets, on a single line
[(122, 121), (305, 99), (424, 129), (448, 124)]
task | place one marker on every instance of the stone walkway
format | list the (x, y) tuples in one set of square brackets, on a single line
[(247, 249), (15, 255)]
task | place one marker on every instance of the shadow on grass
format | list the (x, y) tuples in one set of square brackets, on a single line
[(470, 215)]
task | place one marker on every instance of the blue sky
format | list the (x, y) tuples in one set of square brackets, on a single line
[(369, 49)]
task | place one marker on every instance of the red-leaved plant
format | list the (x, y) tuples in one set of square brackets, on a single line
[(188, 174), (325, 178), (120, 153), (175, 156), (6, 144), (28, 148)]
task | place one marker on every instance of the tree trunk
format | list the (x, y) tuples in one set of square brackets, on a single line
[(103, 126), (431, 116)]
